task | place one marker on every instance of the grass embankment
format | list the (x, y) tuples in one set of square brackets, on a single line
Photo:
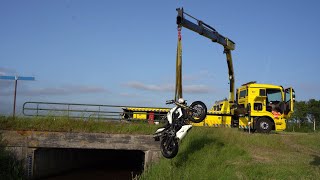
[(219, 153), (64, 124), (206, 153)]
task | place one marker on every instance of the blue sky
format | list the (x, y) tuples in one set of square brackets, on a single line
[(123, 52)]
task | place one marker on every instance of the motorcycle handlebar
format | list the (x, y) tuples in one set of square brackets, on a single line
[(177, 103), (169, 101)]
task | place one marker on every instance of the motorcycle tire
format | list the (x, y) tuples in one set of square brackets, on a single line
[(198, 112), (169, 150)]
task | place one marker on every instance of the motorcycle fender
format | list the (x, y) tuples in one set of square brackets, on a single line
[(183, 131)]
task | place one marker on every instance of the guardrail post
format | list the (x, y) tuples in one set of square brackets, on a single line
[(68, 111), (37, 109), (99, 113)]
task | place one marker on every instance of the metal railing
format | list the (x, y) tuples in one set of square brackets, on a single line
[(89, 111)]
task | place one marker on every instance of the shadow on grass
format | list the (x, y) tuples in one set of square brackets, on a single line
[(316, 161), (196, 144)]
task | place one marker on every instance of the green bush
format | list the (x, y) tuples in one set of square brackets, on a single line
[(10, 166)]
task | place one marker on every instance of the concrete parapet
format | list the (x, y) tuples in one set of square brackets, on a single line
[(48, 153), (151, 156), (35, 139)]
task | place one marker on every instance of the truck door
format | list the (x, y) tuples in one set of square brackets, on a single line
[(289, 100)]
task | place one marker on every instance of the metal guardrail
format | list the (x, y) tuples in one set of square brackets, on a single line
[(88, 111)]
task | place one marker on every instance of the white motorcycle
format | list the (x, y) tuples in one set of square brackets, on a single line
[(177, 125)]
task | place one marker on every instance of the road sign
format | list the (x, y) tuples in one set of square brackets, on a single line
[(16, 78), (8, 77)]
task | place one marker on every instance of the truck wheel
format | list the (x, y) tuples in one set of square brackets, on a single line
[(264, 125)]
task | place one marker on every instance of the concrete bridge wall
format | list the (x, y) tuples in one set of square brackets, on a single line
[(47, 153)]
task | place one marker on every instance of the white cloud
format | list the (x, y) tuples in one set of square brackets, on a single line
[(7, 71), (149, 87), (196, 89), (130, 95), (63, 90)]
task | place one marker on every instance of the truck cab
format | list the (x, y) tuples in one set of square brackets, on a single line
[(263, 107)]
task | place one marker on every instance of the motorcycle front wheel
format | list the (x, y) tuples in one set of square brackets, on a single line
[(169, 147), (197, 112)]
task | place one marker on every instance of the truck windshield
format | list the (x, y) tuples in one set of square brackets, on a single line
[(274, 95)]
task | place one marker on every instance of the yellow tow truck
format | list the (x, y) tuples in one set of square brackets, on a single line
[(253, 106), (261, 107)]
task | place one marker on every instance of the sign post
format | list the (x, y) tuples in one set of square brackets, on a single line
[(16, 78)]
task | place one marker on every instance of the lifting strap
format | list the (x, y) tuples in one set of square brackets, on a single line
[(178, 91)]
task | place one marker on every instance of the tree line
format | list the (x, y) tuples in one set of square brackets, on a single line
[(306, 113)]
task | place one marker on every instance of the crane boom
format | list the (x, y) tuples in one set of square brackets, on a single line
[(204, 30), (209, 32)]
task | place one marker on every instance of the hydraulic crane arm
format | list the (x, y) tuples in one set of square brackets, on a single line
[(209, 32), (204, 30)]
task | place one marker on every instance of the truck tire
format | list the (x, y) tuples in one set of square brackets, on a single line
[(264, 125)]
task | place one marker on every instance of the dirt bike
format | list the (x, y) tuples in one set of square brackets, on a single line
[(177, 125)]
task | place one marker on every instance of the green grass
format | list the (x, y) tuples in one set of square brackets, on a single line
[(206, 153), (220, 153), (64, 124)]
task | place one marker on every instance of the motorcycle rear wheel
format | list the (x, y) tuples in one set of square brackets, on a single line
[(198, 112), (169, 147)]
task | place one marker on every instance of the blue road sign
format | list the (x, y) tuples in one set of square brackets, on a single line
[(17, 78), (26, 78), (8, 77)]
